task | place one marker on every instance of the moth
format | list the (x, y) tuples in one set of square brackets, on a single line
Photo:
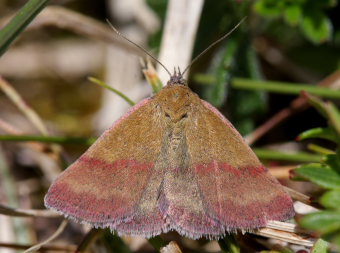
[(172, 162)]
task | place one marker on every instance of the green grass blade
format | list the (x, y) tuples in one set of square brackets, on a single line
[(101, 83), (18, 23), (283, 156), (284, 88)]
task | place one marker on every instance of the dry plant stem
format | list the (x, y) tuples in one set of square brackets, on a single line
[(27, 212), (179, 34), (298, 196), (282, 226), (83, 25), (290, 237), (51, 238), (297, 105), (172, 247), (15, 97), (281, 172), (62, 248)]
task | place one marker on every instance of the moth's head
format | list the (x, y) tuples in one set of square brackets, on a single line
[(176, 103), (177, 78)]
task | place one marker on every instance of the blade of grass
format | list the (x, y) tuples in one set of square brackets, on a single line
[(282, 156), (320, 150), (18, 23), (101, 83), (284, 88)]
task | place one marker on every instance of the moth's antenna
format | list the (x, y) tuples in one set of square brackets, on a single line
[(213, 44), (138, 46)]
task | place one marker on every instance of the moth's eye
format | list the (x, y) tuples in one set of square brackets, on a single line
[(167, 115), (185, 115)]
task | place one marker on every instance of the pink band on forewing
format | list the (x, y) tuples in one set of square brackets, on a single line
[(86, 206)]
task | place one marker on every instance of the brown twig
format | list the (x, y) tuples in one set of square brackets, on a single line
[(62, 248), (298, 196), (297, 105), (51, 238), (27, 212), (16, 98), (286, 236)]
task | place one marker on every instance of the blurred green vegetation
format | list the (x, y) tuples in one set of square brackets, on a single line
[(325, 174)]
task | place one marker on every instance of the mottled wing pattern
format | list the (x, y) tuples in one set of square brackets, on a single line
[(236, 190), (107, 185), (180, 199), (183, 206)]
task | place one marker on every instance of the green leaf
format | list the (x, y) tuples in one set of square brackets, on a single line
[(245, 105), (316, 102), (323, 222), (319, 174), (218, 92), (284, 156), (268, 8), (331, 199), (18, 23), (333, 116), (292, 14), (316, 26), (323, 133), (320, 246), (332, 160)]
